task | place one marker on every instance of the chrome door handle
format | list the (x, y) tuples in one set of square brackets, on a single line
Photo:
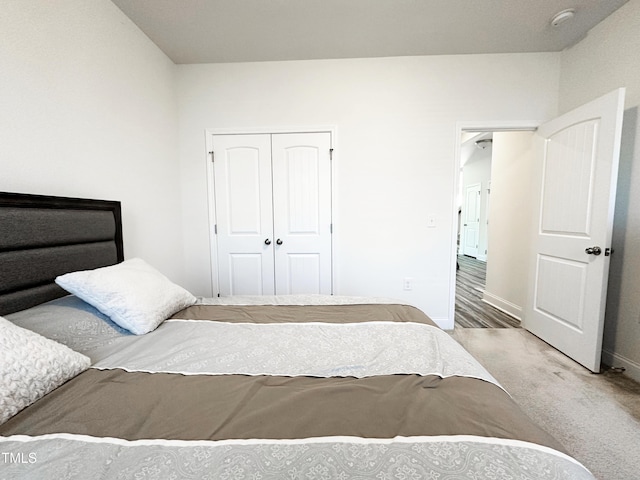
[(593, 250), (279, 242), (267, 242)]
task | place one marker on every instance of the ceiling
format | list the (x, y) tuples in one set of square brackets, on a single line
[(213, 31)]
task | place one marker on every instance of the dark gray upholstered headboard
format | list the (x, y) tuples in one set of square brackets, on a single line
[(42, 237)]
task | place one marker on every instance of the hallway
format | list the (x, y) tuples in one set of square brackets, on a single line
[(471, 311)]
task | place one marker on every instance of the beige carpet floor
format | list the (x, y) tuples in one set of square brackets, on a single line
[(596, 417)]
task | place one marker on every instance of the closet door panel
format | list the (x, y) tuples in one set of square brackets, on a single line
[(302, 212), (246, 273), (244, 216), (303, 273)]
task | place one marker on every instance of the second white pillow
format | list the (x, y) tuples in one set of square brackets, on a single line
[(133, 294)]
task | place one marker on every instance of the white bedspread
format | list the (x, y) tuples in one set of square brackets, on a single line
[(297, 349), (460, 457)]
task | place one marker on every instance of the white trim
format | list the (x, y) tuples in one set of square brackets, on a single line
[(503, 305), (631, 368), (210, 132), (271, 130), (445, 323), (211, 211), (460, 127)]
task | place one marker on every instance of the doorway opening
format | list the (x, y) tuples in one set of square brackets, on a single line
[(493, 215)]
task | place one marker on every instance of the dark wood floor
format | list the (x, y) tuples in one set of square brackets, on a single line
[(471, 311)]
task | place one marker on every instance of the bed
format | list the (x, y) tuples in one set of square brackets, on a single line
[(120, 373)]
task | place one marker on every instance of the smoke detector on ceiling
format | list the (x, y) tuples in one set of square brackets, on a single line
[(563, 17)]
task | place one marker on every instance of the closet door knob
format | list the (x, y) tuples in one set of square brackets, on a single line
[(279, 242), (267, 242)]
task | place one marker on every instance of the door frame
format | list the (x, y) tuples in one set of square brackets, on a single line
[(211, 202), (460, 128)]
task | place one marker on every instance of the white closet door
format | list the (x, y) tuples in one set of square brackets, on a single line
[(302, 212), (243, 197)]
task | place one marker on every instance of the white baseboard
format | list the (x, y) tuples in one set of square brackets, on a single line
[(631, 368), (503, 305), (444, 323)]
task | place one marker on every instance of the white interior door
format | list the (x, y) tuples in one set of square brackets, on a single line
[(243, 195), (302, 212), (471, 220), (579, 154)]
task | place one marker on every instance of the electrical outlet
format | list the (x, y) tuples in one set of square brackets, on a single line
[(407, 283)]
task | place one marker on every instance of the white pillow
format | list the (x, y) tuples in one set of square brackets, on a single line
[(31, 366), (132, 293)]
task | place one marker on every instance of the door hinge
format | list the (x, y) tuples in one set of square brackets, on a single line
[(215, 229), (331, 154), (212, 156), (331, 228)]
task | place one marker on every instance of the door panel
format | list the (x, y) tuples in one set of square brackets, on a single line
[(242, 184), (471, 214), (302, 184), (563, 306), (245, 274), (302, 212), (578, 154), (243, 189), (570, 181), (303, 273)]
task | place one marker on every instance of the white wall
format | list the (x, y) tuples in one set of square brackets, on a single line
[(510, 221), (394, 159), (607, 59), (88, 109)]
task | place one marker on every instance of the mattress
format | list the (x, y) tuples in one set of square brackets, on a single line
[(273, 387)]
